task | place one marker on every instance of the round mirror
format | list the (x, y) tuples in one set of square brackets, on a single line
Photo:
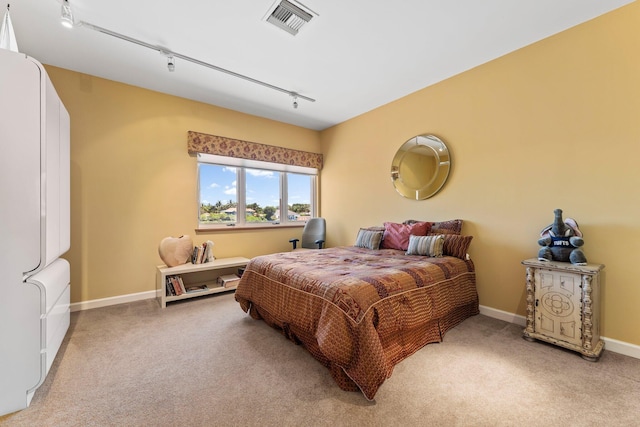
[(420, 167)]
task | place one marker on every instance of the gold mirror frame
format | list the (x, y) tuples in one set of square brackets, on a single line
[(420, 167)]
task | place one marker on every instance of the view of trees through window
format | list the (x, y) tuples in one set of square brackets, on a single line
[(226, 189)]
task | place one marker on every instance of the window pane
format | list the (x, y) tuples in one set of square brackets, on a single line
[(299, 196), (257, 193), (262, 195), (218, 194)]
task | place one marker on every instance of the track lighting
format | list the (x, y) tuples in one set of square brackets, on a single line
[(67, 15)]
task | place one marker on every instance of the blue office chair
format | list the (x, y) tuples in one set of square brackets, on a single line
[(313, 235)]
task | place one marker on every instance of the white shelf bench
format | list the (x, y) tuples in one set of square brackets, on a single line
[(197, 275)]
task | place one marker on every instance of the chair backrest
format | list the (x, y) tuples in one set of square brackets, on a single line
[(314, 229)]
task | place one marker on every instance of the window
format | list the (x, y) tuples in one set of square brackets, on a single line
[(246, 193)]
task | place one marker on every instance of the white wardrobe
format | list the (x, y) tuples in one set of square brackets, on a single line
[(34, 227)]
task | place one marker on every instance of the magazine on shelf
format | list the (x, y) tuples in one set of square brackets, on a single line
[(196, 288)]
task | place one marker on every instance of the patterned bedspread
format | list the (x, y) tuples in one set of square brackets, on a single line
[(359, 311)]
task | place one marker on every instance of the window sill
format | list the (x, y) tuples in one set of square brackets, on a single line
[(245, 228)]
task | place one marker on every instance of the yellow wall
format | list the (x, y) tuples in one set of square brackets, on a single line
[(553, 125), (133, 183)]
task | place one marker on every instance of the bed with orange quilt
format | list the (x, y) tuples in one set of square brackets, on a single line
[(359, 311)]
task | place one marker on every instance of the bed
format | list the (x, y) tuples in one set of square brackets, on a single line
[(359, 311)]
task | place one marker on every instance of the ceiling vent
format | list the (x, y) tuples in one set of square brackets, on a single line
[(289, 16)]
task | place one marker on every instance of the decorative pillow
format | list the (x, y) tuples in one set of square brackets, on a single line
[(456, 245), (426, 245), (369, 239), (373, 228), (414, 221), (396, 236), (452, 226)]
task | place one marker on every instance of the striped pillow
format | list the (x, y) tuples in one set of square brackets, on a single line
[(369, 239), (456, 245), (426, 245)]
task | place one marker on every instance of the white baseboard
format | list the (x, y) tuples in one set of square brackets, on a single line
[(615, 346), (104, 302), (503, 315), (622, 347)]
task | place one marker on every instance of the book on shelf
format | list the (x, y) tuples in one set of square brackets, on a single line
[(203, 250), (169, 285), (228, 280), (202, 253), (208, 251), (181, 283), (175, 286)]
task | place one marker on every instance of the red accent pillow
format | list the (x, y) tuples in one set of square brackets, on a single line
[(396, 236)]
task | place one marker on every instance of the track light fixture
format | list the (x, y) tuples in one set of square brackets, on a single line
[(67, 15), (67, 18)]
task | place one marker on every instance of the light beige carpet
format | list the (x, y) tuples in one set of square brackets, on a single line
[(204, 362)]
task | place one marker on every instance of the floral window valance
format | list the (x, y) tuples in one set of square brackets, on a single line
[(222, 146)]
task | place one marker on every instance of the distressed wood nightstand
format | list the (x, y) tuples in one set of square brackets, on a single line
[(563, 305)]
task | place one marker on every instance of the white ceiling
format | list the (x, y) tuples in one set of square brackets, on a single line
[(354, 56)]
